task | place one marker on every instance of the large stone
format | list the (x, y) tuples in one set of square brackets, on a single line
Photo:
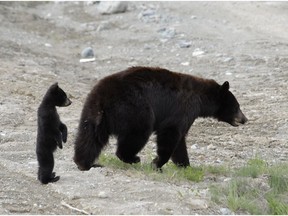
[(112, 7)]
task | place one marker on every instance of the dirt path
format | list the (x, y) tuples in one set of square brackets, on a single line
[(40, 43)]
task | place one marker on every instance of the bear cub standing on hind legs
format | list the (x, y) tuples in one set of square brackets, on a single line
[(136, 102), (51, 132)]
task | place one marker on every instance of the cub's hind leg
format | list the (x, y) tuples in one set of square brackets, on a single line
[(46, 165)]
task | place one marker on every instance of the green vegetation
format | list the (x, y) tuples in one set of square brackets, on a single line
[(170, 172), (255, 188)]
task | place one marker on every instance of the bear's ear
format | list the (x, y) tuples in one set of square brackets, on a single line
[(54, 86), (225, 87)]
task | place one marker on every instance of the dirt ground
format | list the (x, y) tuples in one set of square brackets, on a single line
[(40, 43)]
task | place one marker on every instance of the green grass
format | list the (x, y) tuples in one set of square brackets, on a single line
[(170, 171), (255, 188), (246, 193), (254, 168)]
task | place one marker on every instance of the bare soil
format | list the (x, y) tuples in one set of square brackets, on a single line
[(245, 43)]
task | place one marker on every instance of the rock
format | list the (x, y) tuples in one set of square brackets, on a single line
[(112, 7), (198, 203), (167, 32), (184, 44), (225, 211), (87, 55), (102, 195), (228, 73), (185, 63), (198, 52), (211, 147), (228, 59), (148, 15), (47, 45), (195, 146)]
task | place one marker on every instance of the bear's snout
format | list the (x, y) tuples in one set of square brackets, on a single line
[(240, 118), (67, 102)]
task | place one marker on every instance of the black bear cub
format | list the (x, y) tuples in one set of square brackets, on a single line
[(51, 132), (136, 102)]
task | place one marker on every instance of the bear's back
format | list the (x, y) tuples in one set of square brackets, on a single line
[(153, 78)]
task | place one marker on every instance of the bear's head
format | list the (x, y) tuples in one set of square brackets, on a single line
[(229, 109), (56, 96)]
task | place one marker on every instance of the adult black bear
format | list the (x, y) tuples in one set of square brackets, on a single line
[(51, 132), (134, 103)]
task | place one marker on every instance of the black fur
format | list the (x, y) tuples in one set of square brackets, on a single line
[(51, 132), (134, 103)]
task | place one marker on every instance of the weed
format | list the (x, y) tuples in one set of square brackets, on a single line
[(254, 168), (276, 206)]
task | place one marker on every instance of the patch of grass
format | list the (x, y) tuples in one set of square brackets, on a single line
[(242, 196), (278, 178), (254, 168), (217, 170), (277, 206), (255, 188), (170, 171)]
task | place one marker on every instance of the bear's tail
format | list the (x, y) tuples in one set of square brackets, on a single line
[(91, 138)]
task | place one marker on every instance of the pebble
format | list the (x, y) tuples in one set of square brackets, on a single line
[(211, 147), (195, 146), (198, 52), (112, 7), (102, 195), (184, 44), (228, 73), (228, 59), (148, 15), (185, 63), (167, 32), (198, 203), (47, 45), (225, 211), (87, 53)]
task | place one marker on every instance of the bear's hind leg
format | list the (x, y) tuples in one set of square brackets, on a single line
[(46, 165), (167, 140), (180, 154), (129, 145)]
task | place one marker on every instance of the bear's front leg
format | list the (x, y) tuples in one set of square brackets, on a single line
[(167, 140), (54, 178), (180, 154), (58, 139), (64, 132)]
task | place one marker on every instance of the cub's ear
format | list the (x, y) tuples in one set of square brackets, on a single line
[(225, 87), (55, 85)]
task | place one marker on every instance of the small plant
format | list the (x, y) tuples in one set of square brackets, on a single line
[(276, 205), (254, 168)]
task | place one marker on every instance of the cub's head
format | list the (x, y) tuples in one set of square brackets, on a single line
[(56, 96), (229, 110)]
